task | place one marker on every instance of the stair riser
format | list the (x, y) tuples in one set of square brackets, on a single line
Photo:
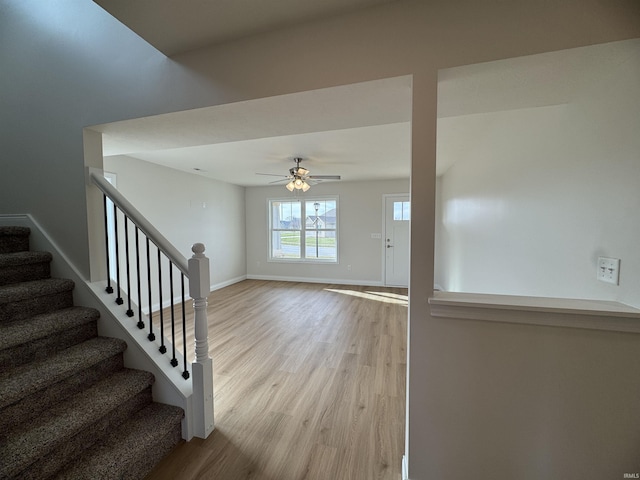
[(140, 467), (38, 402), (143, 466), (14, 243), (133, 450), (66, 450), (24, 273), (34, 306), (43, 347)]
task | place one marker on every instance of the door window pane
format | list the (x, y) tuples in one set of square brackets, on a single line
[(402, 211)]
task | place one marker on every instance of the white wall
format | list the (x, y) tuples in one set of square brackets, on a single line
[(531, 403), (360, 214), (67, 65), (545, 191), (187, 209)]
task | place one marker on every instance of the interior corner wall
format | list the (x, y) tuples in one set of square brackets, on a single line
[(545, 191), (360, 213), (188, 208), (441, 247)]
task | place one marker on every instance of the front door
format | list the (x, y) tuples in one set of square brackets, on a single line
[(396, 240)]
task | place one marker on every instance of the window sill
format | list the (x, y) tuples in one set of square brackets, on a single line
[(556, 312), (298, 261)]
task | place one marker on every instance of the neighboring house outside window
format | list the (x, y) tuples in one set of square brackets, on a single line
[(304, 230)]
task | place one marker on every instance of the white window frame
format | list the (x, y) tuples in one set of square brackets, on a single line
[(303, 229)]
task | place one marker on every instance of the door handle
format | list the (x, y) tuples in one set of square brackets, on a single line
[(389, 246)]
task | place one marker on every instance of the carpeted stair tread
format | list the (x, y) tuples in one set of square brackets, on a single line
[(133, 449), (23, 258), (25, 299), (36, 288), (24, 267), (27, 379), (42, 335), (44, 325), (10, 231), (29, 442)]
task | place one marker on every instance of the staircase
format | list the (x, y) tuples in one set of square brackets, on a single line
[(68, 407)]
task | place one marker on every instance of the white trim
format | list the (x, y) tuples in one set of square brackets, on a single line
[(384, 243), (111, 178), (554, 312), (405, 471), (39, 240), (226, 283), (178, 298), (331, 281)]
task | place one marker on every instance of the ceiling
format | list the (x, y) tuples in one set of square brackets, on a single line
[(178, 26), (361, 132)]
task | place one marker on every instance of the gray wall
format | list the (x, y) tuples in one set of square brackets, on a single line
[(67, 65)]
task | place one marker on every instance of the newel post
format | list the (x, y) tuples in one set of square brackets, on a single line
[(202, 366)]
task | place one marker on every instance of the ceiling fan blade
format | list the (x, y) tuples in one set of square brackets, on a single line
[(273, 175), (324, 177), (281, 180)]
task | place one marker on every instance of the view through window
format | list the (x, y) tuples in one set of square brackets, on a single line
[(402, 211), (304, 230)]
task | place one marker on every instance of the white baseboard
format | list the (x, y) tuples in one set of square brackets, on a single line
[(226, 283), (331, 281), (177, 299), (405, 472)]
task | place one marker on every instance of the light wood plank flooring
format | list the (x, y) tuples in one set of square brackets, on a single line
[(309, 383)]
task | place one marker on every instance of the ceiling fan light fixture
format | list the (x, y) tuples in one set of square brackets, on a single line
[(298, 176)]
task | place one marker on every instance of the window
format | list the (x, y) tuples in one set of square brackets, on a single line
[(304, 230), (402, 211), (111, 229)]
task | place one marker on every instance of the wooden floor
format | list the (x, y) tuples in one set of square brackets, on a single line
[(309, 383)]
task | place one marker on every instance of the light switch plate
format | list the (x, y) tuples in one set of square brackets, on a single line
[(609, 270)]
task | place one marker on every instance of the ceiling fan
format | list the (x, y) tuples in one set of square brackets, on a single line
[(298, 178)]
